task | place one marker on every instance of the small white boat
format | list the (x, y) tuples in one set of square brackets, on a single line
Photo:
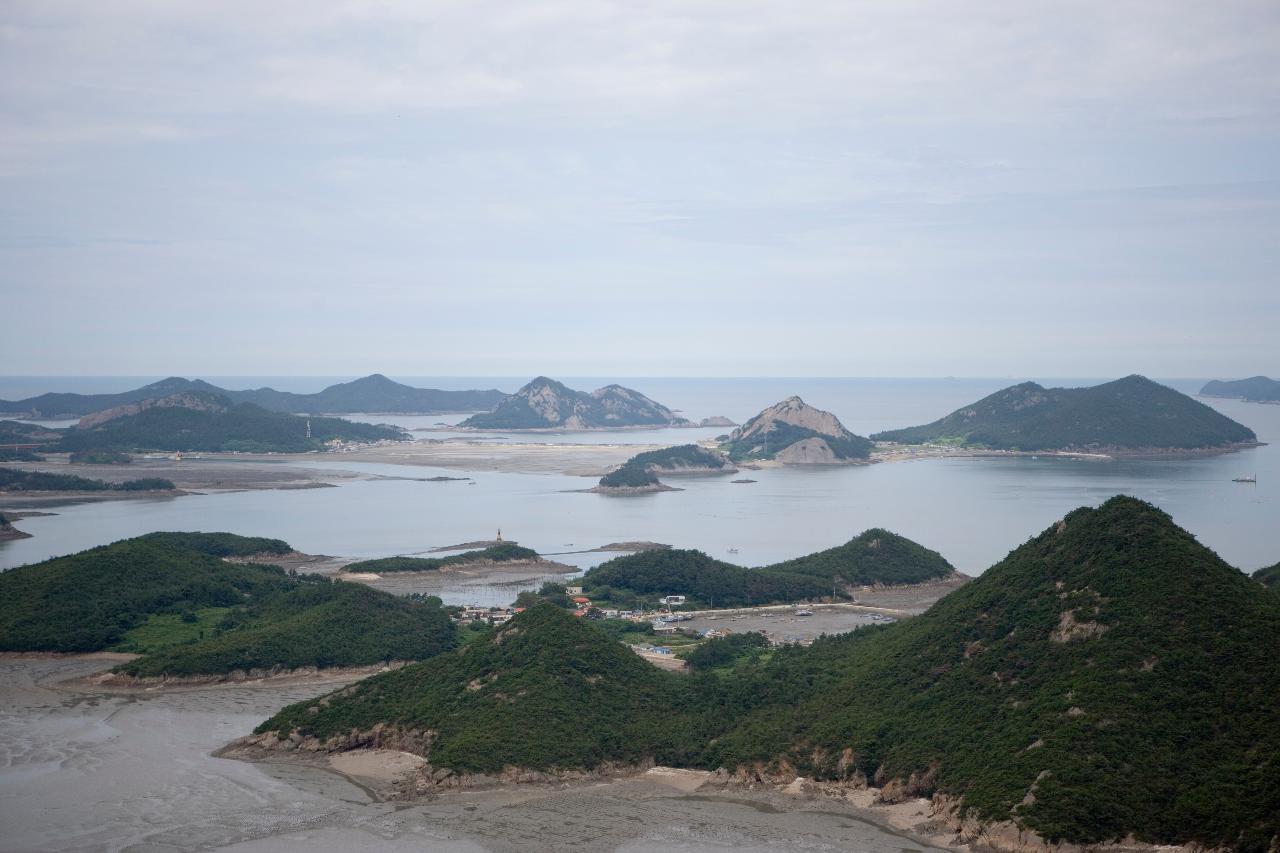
[(804, 612), (1250, 479), (733, 550)]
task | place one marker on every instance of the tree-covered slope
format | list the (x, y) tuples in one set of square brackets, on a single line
[(502, 553), (98, 599), (1269, 577), (13, 480), (243, 427), (87, 601), (1133, 413), (874, 557), (313, 623), (1111, 676), (1256, 388), (545, 691)]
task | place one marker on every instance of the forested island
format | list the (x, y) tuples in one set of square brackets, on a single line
[(1110, 679), (375, 393), (793, 432), (1129, 415), (640, 473), (547, 404), (175, 599), (209, 422), (504, 552), (1256, 389), (874, 557)]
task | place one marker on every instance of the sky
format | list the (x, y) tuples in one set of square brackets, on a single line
[(684, 188)]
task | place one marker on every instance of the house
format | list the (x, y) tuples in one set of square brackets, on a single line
[(663, 628), (673, 600), (581, 600), (573, 590)]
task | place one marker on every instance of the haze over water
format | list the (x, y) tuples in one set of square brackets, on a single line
[(973, 511)]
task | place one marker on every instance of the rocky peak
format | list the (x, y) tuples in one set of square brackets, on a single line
[(197, 401), (796, 412)]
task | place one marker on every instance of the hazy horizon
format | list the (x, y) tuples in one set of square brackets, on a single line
[(693, 188)]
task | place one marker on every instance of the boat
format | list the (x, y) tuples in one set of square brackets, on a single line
[(1252, 478), (804, 612), (733, 550)]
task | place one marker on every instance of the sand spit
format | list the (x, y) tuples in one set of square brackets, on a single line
[(274, 676)]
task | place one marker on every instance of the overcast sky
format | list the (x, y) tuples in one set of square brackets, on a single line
[(893, 188)]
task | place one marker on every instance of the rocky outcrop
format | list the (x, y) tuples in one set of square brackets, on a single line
[(716, 421), (195, 401), (547, 404), (237, 676), (8, 532), (794, 433), (633, 490)]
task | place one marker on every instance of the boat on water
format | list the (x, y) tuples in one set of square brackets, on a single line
[(804, 612), (1252, 478), (733, 550)]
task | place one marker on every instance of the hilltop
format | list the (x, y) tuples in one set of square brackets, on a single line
[(793, 432), (374, 393), (176, 599), (545, 691), (1131, 415), (1111, 676), (547, 404), (505, 552), (210, 422), (1257, 389), (640, 473), (1109, 679), (874, 557)]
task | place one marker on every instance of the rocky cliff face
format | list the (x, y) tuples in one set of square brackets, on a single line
[(547, 404), (793, 432), (196, 401)]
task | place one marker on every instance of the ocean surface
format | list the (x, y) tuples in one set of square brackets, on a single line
[(973, 511)]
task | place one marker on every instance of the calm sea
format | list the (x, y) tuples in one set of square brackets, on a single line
[(971, 510)]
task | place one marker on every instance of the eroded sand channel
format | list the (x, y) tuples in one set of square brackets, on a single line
[(98, 771)]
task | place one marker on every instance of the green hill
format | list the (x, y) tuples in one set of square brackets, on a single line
[(173, 597), (1133, 414), (503, 553), (545, 691), (683, 457), (873, 557), (375, 393), (1269, 577), (547, 404), (243, 427), (1112, 666), (1256, 389), (314, 623)]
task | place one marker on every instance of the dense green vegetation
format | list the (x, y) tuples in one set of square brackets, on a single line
[(545, 403), (723, 651), (768, 443), (1131, 413), (556, 593), (314, 623), (101, 457), (678, 458), (172, 597), (1112, 666), (629, 476), (874, 557), (546, 690), (13, 480), (1255, 388), (502, 553), (88, 601), (220, 544), (375, 393), (244, 427), (1269, 577)]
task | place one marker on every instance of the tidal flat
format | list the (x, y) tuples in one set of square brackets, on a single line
[(85, 770)]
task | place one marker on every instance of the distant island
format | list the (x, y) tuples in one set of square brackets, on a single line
[(1110, 681), (874, 557), (192, 606), (639, 474), (13, 480), (1130, 415), (504, 552), (204, 421), (1256, 389), (547, 404), (794, 433), (375, 393)]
